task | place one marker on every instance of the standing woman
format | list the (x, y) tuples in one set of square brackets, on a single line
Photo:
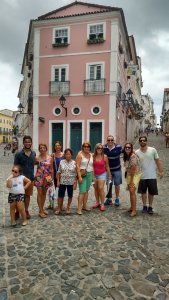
[(101, 171), (66, 180), (43, 177), (84, 161), (132, 174), (57, 156)]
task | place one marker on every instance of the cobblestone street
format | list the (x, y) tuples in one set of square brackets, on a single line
[(106, 255)]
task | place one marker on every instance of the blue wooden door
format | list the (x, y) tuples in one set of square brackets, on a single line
[(57, 133), (75, 137), (95, 133)]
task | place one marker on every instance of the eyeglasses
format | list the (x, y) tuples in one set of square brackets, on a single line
[(127, 147), (99, 148), (142, 141), (15, 171), (110, 140)]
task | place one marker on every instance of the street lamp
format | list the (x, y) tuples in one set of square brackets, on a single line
[(62, 100), (129, 94), (21, 108)]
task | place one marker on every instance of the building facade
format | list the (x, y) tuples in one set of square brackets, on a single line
[(75, 77), (164, 120), (6, 126)]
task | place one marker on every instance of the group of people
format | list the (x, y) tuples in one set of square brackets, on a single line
[(60, 170)]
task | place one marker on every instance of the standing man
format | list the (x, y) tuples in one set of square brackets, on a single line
[(113, 152), (26, 159), (149, 160)]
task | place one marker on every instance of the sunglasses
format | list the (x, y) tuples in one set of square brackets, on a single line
[(110, 140), (15, 171), (127, 147), (142, 141), (100, 148)]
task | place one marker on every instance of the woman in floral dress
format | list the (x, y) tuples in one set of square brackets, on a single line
[(43, 177)]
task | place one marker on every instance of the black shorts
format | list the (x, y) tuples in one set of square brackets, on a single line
[(15, 198), (150, 184), (62, 190)]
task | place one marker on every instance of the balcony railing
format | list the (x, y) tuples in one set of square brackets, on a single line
[(58, 88), (94, 86)]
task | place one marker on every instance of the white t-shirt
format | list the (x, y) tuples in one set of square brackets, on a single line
[(147, 162), (17, 185), (86, 163)]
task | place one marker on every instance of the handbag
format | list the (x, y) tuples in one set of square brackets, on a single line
[(83, 172)]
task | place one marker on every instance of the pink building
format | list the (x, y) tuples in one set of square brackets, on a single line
[(78, 53)]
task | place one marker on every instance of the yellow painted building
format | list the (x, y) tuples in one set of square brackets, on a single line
[(6, 125)]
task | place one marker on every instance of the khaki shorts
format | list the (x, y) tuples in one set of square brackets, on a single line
[(29, 190)]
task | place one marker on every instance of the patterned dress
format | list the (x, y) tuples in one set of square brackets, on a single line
[(43, 170)]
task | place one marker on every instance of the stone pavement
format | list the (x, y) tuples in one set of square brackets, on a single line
[(97, 255)]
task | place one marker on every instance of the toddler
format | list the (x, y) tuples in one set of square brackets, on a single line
[(17, 184)]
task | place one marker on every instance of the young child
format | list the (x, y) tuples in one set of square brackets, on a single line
[(17, 185), (66, 180)]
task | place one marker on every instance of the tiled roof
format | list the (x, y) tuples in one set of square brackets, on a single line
[(99, 9)]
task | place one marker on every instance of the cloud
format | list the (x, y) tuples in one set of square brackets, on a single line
[(9, 87), (146, 20)]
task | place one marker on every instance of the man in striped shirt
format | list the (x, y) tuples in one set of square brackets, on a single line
[(113, 152)]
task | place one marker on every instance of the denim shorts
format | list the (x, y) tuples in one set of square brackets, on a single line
[(62, 190), (116, 177), (102, 176), (86, 183)]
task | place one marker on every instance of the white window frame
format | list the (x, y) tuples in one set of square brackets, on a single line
[(102, 63), (55, 109), (96, 114), (95, 24), (61, 28), (54, 67), (72, 110)]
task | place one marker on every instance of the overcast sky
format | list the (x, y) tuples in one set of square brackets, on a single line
[(147, 21)]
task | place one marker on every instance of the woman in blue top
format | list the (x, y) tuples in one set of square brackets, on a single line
[(57, 156)]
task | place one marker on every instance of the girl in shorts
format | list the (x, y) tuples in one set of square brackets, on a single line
[(66, 180), (17, 184), (101, 172)]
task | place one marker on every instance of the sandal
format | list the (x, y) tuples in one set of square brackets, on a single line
[(45, 212), (133, 214), (68, 211), (57, 212), (130, 210), (102, 207), (24, 223), (96, 205), (42, 215), (86, 209), (79, 213)]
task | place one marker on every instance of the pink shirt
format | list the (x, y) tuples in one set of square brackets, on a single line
[(99, 166)]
